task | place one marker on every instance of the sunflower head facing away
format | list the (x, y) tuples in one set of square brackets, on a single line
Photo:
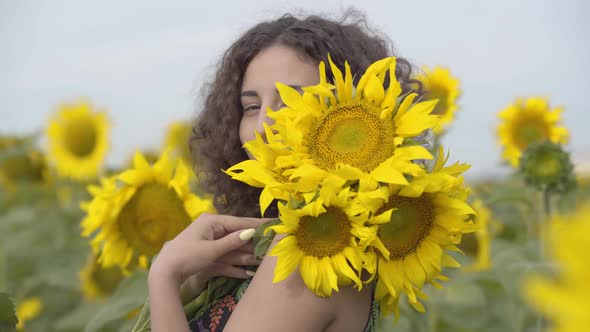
[(134, 213), (78, 141), (529, 121), (439, 84), (547, 167)]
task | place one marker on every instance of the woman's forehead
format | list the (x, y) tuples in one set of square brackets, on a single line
[(279, 64)]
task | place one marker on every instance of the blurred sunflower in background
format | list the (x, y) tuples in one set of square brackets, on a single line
[(563, 298), (28, 310), (99, 283), (177, 141), (528, 121), (439, 83), (151, 156), (78, 141), (478, 244), (24, 162), (135, 212)]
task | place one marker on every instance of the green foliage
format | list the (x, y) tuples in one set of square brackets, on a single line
[(42, 253), (8, 319), (129, 296), (262, 241)]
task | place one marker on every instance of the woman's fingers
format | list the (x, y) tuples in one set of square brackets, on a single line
[(247, 248), (228, 224), (239, 258), (229, 243)]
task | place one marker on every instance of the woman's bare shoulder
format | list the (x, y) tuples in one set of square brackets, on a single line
[(290, 306)]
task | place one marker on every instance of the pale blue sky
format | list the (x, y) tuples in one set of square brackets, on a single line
[(145, 60)]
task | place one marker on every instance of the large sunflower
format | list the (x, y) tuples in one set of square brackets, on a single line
[(322, 239), (77, 138), (425, 221), (354, 132), (439, 84), (564, 299), (529, 121), (150, 206)]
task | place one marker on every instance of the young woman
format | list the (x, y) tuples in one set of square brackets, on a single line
[(286, 50)]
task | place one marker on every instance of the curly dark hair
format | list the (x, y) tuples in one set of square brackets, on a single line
[(215, 142)]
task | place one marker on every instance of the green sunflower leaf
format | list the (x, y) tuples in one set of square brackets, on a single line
[(129, 295), (261, 241)]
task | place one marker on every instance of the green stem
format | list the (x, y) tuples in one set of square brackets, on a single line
[(542, 224), (432, 320), (3, 286), (547, 204)]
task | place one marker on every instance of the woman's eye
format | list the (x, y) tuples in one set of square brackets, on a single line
[(250, 108)]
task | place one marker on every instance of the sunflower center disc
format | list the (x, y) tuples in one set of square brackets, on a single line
[(530, 131), (351, 134), (80, 137), (409, 224), (324, 235), (154, 215)]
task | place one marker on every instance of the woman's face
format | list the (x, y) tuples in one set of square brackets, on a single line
[(275, 64)]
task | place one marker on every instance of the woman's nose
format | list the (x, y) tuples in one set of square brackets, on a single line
[(263, 118)]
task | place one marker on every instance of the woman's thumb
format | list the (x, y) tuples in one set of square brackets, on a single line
[(232, 241)]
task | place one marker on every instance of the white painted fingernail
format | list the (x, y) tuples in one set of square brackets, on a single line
[(250, 273), (247, 234)]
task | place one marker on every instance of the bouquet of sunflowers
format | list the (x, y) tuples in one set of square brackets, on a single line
[(358, 202)]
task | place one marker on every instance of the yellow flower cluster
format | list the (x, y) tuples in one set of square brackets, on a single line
[(356, 202)]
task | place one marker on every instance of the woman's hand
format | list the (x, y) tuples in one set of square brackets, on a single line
[(213, 245)]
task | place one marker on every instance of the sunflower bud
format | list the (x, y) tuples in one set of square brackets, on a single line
[(546, 166)]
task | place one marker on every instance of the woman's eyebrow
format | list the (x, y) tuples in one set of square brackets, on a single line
[(252, 93), (249, 93), (297, 87)]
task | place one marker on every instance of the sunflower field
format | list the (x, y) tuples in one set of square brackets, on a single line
[(498, 254)]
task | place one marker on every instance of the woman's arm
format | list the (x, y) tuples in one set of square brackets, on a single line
[(167, 312)]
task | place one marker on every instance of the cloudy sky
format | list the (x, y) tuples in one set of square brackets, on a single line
[(144, 61)]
